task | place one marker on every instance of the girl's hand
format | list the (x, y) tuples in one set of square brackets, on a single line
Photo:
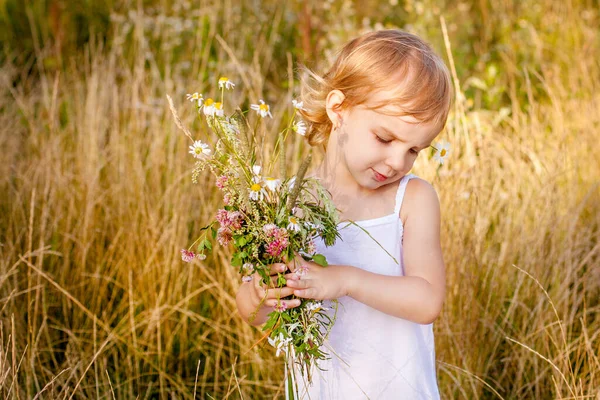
[(310, 280), (271, 294)]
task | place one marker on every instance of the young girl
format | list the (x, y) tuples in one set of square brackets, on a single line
[(382, 102)]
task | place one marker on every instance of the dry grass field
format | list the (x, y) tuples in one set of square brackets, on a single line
[(96, 197)]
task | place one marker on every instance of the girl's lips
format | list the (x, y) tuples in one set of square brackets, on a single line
[(379, 177)]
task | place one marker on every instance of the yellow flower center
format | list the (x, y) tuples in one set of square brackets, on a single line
[(293, 220), (209, 102), (264, 107), (218, 105), (255, 187), (223, 79), (443, 153), (198, 150)]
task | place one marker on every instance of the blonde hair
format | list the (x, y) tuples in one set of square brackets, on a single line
[(373, 62)]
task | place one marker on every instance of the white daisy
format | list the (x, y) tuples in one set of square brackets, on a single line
[(195, 97), (268, 228), (248, 268), (315, 306), (256, 178), (272, 183), (262, 109), (280, 343), (219, 109), (224, 81), (209, 107), (199, 149), (442, 152), (300, 128), (256, 192), (293, 224), (298, 105)]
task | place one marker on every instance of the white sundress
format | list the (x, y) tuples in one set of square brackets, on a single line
[(373, 355)]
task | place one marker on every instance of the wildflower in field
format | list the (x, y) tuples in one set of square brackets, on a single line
[(199, 149), (298, 105), (277, 239), (300, 128), (302, 269), (256, 173), (222, 181), (195, 97), (272, 183), (311, 248), (280, 343), (224, 236), (201, 256), (225, 82), (262, 109), (227, 199), (187, 256), (256, 191), (276, 247), (293, 224), (209, 107), (231, 220), (281, 306), (219, 109), (269, 229), (314, 306), (442, 151), (312, 226), (248, 268)]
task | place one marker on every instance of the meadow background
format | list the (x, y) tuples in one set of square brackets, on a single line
[(96, 197)]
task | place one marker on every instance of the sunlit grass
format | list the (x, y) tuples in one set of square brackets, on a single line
[(96, 200)]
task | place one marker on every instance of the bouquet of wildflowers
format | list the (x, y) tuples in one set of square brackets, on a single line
[(267, 219)]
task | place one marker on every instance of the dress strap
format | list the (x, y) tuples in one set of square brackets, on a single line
[(401, 191)]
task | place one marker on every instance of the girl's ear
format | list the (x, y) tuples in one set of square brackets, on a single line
[(333, 105)]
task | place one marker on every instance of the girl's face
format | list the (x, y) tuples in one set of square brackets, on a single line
[(374, 149)]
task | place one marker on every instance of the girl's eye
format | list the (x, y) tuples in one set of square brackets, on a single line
[(382, 140)]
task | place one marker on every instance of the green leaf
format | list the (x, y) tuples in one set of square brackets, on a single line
[(286, 317), (236, 260), (281, 281), (207, 244), (320, 259), (270, 322), (241, 241), (214, 232)]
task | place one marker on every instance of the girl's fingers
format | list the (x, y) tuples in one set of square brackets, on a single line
[(309, 293), (277, 268), (291, 276), (279, 293), (289, 303), (299, 283)]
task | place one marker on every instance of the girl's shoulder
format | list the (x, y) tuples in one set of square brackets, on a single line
[(420, 199)]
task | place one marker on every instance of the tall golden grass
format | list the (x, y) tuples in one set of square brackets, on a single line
[(96, 200)]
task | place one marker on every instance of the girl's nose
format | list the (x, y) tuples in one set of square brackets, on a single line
[(396, 162)]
